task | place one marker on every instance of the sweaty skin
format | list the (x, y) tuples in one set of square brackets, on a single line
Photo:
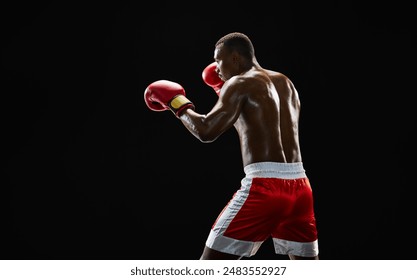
[(261, 104)]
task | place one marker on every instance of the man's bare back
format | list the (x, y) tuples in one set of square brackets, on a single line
[(268, 121)]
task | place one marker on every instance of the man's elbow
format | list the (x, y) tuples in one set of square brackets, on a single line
[(207, 137)]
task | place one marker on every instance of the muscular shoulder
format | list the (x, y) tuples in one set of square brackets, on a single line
[(259, 82), (279, 79), (254, 88), (284, 86), (261, 76), (251, 81)]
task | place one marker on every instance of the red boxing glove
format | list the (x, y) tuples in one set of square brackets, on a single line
[(166, 95), (211, 78)]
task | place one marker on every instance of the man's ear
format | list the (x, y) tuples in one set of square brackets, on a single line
[(235, 57)]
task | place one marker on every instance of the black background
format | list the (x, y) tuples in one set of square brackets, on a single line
[(92, 173)]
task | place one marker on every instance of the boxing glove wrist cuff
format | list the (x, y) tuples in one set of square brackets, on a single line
[(179, 103)]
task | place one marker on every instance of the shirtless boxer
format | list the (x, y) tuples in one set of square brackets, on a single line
[(275, 198)]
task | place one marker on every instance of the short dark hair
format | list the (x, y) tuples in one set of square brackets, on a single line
[(239, 42)]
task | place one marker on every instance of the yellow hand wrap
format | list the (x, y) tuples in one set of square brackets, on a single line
[(180, 103)]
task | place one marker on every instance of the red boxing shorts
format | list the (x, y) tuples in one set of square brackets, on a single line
[(275, 200)]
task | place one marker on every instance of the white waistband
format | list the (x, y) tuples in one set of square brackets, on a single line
[(275, 169)]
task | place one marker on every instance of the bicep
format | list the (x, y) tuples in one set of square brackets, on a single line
[(221, 117)]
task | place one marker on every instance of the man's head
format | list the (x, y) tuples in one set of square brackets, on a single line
[(238, 42), (234, 54)]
